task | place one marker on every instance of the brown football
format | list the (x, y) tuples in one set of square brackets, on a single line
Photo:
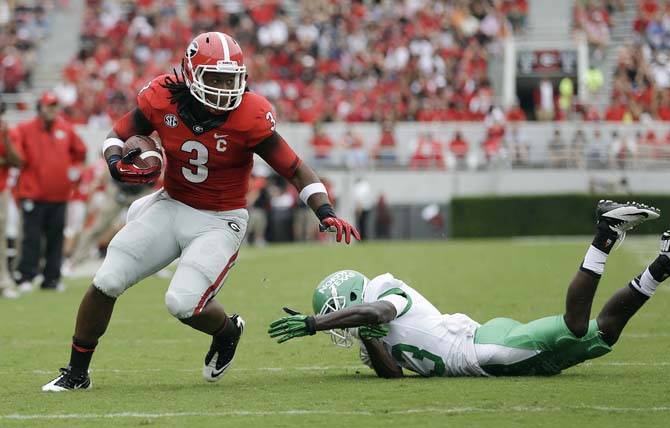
[(151, 154)]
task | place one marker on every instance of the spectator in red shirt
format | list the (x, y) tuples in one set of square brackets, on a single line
[(355, 154), (49, 148), (428, 153), (615, 112), (384, 152), (8, 157), (459, 149), (648, 146), (322, 146), (591, 114), (663, 110), (515, 114)]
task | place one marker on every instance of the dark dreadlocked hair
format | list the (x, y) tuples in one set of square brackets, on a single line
[(179, 92), (187, 107)]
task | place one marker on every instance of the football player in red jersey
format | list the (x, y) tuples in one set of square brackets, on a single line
[(210, 126)]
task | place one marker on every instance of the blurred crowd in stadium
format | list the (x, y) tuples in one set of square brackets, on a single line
[(328, 61), (399, 62), (370, 61)]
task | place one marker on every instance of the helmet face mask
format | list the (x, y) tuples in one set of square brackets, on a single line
[(339, 290), (215, 53)]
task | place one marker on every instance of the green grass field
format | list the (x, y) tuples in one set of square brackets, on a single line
[(147, 368)]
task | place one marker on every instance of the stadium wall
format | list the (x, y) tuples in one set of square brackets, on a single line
[(537, 134)]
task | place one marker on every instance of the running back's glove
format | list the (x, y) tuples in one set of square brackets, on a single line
[(334, 224), (296, 325), (124, 170), (331, 223)]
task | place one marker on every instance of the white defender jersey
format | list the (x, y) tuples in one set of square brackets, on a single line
[(420, 338)]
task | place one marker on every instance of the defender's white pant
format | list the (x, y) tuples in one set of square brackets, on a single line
[(159, 230)]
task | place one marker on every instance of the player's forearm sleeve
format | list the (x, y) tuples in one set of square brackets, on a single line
[(279, 155)]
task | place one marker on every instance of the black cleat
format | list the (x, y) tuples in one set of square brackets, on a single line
[(220, 355), (66, 381)]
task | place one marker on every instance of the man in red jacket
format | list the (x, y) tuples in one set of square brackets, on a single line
[(49, 148)]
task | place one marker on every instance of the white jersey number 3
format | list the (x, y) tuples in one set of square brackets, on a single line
[(200, 172)]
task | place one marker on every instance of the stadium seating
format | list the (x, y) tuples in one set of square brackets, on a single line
[(22, 26), (641, 80), (371, 61)]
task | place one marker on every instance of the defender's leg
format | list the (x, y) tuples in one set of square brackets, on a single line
[(614, 220), (505, 347), (628, 300)]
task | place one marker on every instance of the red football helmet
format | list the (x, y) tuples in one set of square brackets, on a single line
[(219, 53)]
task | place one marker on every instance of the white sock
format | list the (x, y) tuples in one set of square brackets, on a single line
[(594, 260), (646, 284)]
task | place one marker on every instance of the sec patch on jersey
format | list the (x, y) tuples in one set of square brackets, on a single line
[(151, 153)]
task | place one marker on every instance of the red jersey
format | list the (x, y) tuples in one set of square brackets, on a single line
[(210, 170), (47, 156)]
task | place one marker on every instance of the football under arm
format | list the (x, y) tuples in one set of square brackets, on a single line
[(132, 123), (379, 312), (381, 360)]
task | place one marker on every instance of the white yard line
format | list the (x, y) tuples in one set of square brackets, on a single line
[(13, 343), (305, 368), (301, 412)]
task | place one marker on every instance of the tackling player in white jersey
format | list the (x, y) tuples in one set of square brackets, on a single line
[(400, 329)]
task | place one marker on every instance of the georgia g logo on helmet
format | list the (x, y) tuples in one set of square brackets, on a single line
[(215, 52), (192, 49)]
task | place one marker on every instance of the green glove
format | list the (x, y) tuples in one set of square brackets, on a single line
[(296, 325), (371, 331)]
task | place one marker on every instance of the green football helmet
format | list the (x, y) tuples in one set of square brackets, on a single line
[(339, 290)]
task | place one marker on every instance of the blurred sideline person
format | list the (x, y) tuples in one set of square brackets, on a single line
[(49, 148), (383, 219), (118, 196), (9, 157), (258, 201), (75, 211), (106, 209), (400, 329), (210, 126), (364, 202), (14, 225)]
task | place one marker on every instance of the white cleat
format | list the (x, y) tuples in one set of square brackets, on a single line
[(26, 287), (623, 217), (10, 293), (67, 382)]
